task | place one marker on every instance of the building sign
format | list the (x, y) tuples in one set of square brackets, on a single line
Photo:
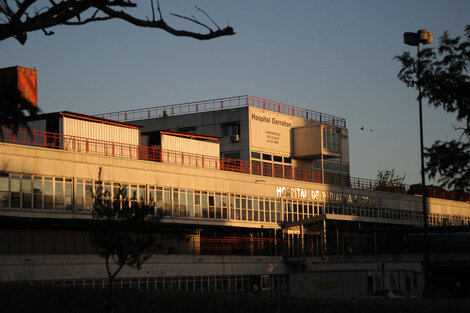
[(328, 196), (156, 271), (271, 131)]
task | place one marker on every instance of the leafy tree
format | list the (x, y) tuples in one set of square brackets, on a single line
[(388, 180), (121, 233), (445, 83), (19, 17)]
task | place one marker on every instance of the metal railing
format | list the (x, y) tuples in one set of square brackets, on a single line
[(223, 104), (129, 151)]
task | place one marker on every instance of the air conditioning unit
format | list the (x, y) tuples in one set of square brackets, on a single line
[(235, 138)]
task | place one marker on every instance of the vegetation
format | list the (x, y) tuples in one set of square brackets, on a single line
[(445, 82), (388, 180), (120, 235)]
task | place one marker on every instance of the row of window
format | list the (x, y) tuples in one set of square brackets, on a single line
[(275, 284), (77, 195), (446, 220)]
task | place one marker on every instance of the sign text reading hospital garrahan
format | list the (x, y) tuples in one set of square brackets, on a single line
[(271, 120), (328, 196)]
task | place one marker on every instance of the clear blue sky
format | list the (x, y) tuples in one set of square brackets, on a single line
[(334, 57)]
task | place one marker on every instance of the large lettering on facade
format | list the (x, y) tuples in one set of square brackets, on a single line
[(328, 196)]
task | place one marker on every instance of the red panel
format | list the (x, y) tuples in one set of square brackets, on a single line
[(23, 78)]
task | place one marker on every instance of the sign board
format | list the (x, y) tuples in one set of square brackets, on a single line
[(270, 131)]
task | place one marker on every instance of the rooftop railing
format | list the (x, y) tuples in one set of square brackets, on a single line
[(115, 149), (223, 104)]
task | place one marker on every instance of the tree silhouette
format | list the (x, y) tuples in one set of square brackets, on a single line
[(14, 108), (121, 233), (388, 180), (18, 18), (445, 83)]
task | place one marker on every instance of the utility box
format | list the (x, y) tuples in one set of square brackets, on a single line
[(22, 78)]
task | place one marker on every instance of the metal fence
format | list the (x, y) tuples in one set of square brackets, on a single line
[(115, 149), (222, 104)]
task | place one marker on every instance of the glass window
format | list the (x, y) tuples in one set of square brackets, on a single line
[(232, 207), (151, 200), (166, 202), (287, 160), (250, 208), (205, 205), (4, 189), (159, 204), (89, 195), (48, 194), (261, 209), (256, 155), (197, 204), (37, 192), (59, 194), (190, 204), (237, 208), (15, 191), (267, 210), (224, 206), (267, 157), (255, 209), (26, 192), (211, 205), (218, 206), (243, 203), (176, 211), (277, 158), (68, 194)]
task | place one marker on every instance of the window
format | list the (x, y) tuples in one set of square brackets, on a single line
[(37, 192), (231, 129), (26, 192), (267, 157), (255, 155), (331, 139), (4, 189), (15, 191)]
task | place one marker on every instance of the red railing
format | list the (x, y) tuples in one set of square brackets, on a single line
[(114, 149), (222, 104)]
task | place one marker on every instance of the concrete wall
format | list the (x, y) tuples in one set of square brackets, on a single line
[(69, 267), (329, 284)]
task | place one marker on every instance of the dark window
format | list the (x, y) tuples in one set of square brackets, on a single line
[(277, 158), (267, 157), (231, 129), (288, 160), (255, 155)]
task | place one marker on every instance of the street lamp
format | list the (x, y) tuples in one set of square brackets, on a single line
[(424, 37)]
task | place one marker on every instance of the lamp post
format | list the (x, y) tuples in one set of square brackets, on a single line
[(424, 37)]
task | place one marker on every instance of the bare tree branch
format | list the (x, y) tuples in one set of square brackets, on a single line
[(17, 18), (193, 19), (207, 15)]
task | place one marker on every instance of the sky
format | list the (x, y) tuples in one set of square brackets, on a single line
[(334, 57)]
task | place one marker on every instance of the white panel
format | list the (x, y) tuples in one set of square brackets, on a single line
[(181, 150), (113, 140)]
